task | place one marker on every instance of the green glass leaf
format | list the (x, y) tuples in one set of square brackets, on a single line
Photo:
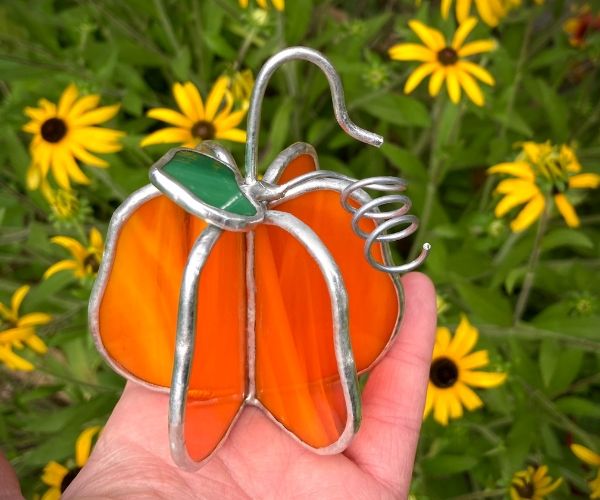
[(209, 180)]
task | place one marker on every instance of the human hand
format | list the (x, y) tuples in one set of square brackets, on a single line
[(258, 460)]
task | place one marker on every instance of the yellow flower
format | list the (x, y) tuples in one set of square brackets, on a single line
[(240, 86), (63, 134), (490, 11), (582, 25), (278, 4), (533, 483), (445, 61), (197, 121), (85, 261), (63, 202), (59, 477), (541, 171), (451, 373), (17, 331), (593, 459)]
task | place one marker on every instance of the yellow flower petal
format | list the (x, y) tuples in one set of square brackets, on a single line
[(584, 181), (411, 52), (453, 86), (429, 401), (463, 9), (84, 104), (509, 186), (470, 87), (529, 214), (477, 71), (83, 445), (463, 31), (542, 492), (585, 454), (215, 97), (477, 359), (15, 335), (231, 121), (429, 36), (33, 177), (36, 343), (195, 99), (13, 361), (520, 169), (454, 407), (465, 338), (566, 210), (440, 408), (467, 396), (51, 494), (62, 265), (76, 249), (34, 319), (487, 12), (417, 76), (482, 379), (184, 102), (477, 47), (84, 156), (167, 135), (17, 298), (279, 5), (37, 114), (67, 99), (96, 240), (436, 81), (99, 115), (59, 171), (514, 199), (54, 473), (64, 160), (171, 117), (234, 134), (445, 8)]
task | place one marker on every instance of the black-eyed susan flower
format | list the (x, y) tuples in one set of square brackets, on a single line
[(452, 373), (85, 261), (533, 483), (66, 133), (593, 459), (540, 172), (446, 61), (198, 121), (59, 476), (18, 331), (581, 25), (491, 12), (263, 4)]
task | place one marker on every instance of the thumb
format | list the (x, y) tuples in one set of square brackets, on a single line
[(9, 485)]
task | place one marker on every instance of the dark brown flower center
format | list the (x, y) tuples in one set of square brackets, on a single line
[(447, 56), (525, 491), (204, 130), (53, 130), (91, 263), (68, 479), (443, 373)]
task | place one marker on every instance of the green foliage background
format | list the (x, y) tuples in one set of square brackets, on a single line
[(132, 52)]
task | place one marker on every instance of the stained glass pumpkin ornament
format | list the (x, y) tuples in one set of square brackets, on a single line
[(226, 291)]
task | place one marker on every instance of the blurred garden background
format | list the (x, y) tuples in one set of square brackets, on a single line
[(491, 111)]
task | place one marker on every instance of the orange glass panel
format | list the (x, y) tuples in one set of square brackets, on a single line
[(138, 314), (297, 378)]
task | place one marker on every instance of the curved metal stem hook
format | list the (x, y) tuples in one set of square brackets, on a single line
[(337, 97)]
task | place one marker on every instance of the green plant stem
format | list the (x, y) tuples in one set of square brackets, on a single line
[(432, 180), (248, 39), (532, 264), (506, 247), (166, 24)]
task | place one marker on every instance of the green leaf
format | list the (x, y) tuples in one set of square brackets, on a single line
[(578, 407), (408, 165), (566, 237), (397, 109), (445, 465), (548, 359), (489, 305)]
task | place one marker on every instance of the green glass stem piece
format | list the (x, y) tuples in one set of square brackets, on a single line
[(209, 180)]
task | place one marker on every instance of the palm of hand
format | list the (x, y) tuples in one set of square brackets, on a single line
[(258, 460)]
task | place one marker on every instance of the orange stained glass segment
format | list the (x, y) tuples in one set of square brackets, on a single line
[(138, 315), (296, 372)]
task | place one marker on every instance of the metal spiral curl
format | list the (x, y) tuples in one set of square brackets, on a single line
[(386, 220)]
